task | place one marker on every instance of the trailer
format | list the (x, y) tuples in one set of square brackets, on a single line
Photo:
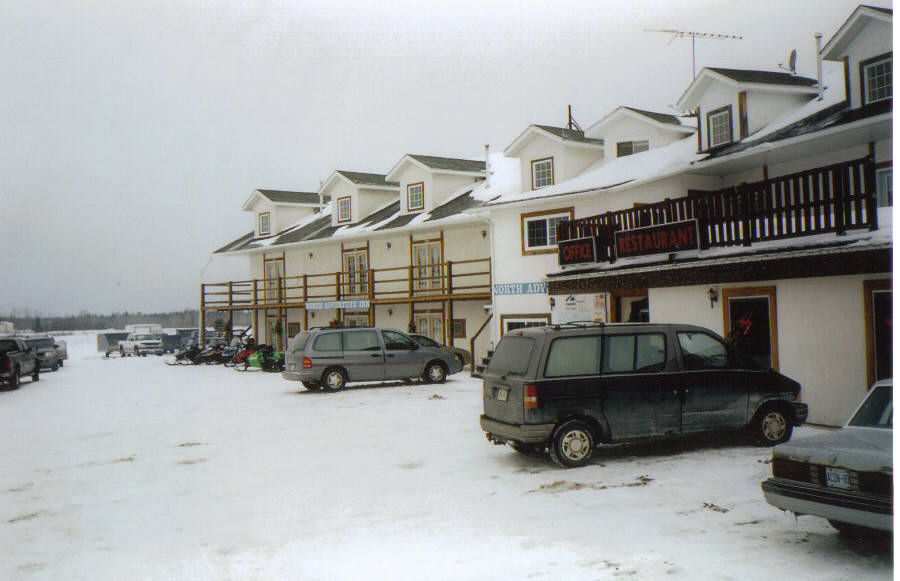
[(108, 341)]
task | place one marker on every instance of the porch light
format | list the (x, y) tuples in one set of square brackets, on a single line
[(390, 312), (713, 295), (388, 245)]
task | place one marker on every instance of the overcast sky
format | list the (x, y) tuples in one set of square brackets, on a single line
[(132, 131)]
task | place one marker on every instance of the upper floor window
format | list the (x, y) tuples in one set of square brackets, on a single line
[(356, 273), (541, 173), (343, 209), (415, 196), (539, 230), (624, 148), (718, 126), (877, 76), (264, 223), (884, 184)]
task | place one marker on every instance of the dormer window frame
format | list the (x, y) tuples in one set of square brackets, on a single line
[(645, 141), (344, 203), (726, 112), (418, 190), (539, 176), (866, 68), (264, 223)]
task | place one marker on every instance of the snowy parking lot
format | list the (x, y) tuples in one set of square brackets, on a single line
[(131, 469)]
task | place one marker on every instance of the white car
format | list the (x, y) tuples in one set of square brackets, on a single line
[(845, 476)]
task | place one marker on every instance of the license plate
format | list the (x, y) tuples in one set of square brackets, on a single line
[(502, 394), (837, 477)]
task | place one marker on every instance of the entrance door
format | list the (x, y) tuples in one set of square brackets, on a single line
[(431, 325), (879, 329), (427, 262), (750, 323), (274, 273)]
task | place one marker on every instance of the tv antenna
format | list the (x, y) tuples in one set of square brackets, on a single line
[(694, 36), (572, 123), (792, 63)]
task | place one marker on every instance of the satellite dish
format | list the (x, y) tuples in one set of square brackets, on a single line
[(792, 63)]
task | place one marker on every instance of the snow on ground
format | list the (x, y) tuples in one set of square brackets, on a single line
[(131, 469)]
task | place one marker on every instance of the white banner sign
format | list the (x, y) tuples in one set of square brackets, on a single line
[(323, 305)]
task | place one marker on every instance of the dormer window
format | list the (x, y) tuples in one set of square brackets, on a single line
[(264, 224), (718, 126), (876, 75), (541, 173), (343, 209), (624, 148), (415, 196)]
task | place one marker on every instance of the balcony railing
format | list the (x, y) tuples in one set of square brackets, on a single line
[(835, 198), (463, 279)]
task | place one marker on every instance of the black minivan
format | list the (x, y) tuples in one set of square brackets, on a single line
[(571, 387)]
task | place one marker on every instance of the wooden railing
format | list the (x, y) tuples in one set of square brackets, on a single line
[(834, 198), (453, 279)]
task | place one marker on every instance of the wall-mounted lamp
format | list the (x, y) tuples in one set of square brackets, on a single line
[(390, 312), (310, 254), (312, 315), (484, 233), (713, 295), (388, 245)]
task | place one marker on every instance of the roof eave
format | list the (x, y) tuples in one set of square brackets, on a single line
[(836, 44)]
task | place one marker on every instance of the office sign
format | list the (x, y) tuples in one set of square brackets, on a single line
[(657, 239), (577, 251)]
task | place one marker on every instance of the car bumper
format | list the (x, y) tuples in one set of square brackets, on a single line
[(866, 510), (49, 363), (501, 432), (298, 376), (801, 412)]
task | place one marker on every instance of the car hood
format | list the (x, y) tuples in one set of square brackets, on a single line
[(861, 449)]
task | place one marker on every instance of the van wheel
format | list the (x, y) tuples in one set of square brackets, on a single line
[(37, 372), (334, 379), (772, 427), (60, 362), (435, 372), (572, 445), (14, 378)]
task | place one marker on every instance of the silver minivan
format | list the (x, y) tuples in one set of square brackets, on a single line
[(330, 358)]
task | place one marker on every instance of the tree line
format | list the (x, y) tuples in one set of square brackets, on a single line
[(84, 321)]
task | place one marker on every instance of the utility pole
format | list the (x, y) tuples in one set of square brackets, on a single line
[(694, 36)]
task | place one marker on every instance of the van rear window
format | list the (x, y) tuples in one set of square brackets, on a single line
[(298, 342), (512, 356)]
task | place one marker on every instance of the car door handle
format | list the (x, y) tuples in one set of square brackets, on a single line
[(375, 355), (390, 355)]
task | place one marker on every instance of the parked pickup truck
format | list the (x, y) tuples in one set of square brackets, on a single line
[(17, 360), (141, 344)]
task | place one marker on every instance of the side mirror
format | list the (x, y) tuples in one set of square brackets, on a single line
[(415, 347)]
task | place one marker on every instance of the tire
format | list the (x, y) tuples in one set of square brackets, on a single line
[(527, 449), (334, 379), (772, 426), (36, 376), (14, 378), (61, 362), (122, 351), (311, 385), (435, 372), (55, 367), (572, 444)]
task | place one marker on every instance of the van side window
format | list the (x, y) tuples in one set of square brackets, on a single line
[(573, 356), (328, 342), (634, 353), (394, 341), (701, 351), (361, 341)]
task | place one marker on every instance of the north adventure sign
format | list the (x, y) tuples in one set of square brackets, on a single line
[(657, 239)]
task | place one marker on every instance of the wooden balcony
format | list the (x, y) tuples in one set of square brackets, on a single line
[(457, 280), (830, 199)]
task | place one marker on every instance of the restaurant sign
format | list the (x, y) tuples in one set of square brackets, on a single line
[(657, 239), (578, 250)]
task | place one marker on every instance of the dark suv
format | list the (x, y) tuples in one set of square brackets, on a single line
[(570, 387), (329, 358)]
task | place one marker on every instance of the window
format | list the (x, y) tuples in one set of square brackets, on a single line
[(264, 227), (427, 262), (356, 273), (634, 353), (624, 148), (512, 322), (415, 196), (459, 328), (356, 319), (512, 357), (361, 341), (573, 356), (539, 230), (328, 342), (884, 179), (541, 173), (394, 341), (431, 325), (343, 209), (701, 351), (718, 126), (877, 84)]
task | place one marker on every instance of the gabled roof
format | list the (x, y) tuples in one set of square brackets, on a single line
[(852, 27), (772, 81), (284, 197), (663, 121), (571, 137), (450, 165), (364, 180)]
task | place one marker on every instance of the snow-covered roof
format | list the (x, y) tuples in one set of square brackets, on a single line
[(450, 165), (744, 78), (360, 179), (283, 197), (838, 43), (664, 121), (571, 137)]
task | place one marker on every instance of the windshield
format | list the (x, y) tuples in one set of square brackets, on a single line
[(877, 410), (43, 342), (146, 337), (512, 356)]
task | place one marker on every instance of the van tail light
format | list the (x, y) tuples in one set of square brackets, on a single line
[(530, 399), (307, 363)]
